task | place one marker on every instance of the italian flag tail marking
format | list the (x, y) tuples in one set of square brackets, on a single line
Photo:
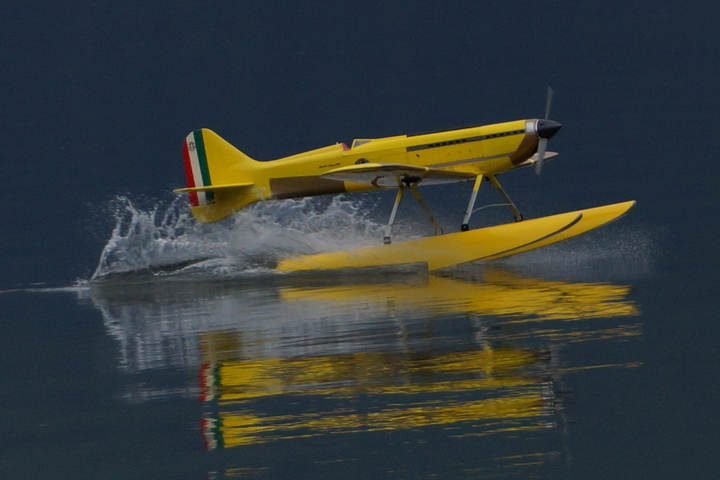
[(196, 169)]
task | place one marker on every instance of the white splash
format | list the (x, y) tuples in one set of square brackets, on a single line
[(616, 252), (164, 239)]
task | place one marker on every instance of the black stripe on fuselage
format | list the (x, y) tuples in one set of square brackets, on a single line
[(458, 141)]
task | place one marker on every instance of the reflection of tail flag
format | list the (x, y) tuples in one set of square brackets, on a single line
[(212, 433), (219, 176)]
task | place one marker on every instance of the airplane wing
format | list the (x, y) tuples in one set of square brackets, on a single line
[(391, 174)]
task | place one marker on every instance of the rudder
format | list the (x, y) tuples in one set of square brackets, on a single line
[(219, 176), (210, 161)]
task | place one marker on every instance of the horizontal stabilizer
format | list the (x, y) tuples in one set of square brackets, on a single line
[(533, 160), (392, 174), (213, 187)]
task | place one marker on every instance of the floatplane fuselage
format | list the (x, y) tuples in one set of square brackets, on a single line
[(222, 180)]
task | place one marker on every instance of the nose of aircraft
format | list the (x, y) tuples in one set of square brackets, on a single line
[(547, 128)]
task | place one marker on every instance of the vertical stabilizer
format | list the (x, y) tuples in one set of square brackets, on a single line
[(219, 176)]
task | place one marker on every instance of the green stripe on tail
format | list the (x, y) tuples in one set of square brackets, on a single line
[(203, 164)]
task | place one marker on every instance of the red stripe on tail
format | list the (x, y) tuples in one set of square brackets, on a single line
[(189, 176)]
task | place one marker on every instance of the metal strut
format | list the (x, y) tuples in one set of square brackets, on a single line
[(516, 213), (418, 197), (388, 229), (413, 189), (473, 196), (411, 183)]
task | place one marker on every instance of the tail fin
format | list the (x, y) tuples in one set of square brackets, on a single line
[(219, 176)]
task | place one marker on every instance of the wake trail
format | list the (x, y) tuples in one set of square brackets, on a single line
[(160, 241), (163, 240)]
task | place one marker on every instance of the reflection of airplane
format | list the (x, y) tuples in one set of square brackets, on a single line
[(410, 389), (501, 293), (418, 385), (222, 180), (279, 358), (267, 311)]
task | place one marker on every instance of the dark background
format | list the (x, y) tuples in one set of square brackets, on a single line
[(97, 98)]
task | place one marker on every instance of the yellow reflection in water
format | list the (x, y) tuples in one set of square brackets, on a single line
[(365, 372), (492, 384), (240, 428), (500, 293)]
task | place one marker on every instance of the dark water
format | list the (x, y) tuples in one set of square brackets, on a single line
[(186, 356)]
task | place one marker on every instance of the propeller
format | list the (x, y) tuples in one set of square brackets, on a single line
[(546, 128), (548, 102), (542, 146)]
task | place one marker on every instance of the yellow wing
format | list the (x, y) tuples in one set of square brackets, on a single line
[(392, 174)]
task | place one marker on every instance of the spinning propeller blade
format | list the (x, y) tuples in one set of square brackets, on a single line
[(542, 146), (546, 128), (548, 102)]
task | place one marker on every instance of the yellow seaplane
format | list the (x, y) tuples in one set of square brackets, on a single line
[(222, 180)]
